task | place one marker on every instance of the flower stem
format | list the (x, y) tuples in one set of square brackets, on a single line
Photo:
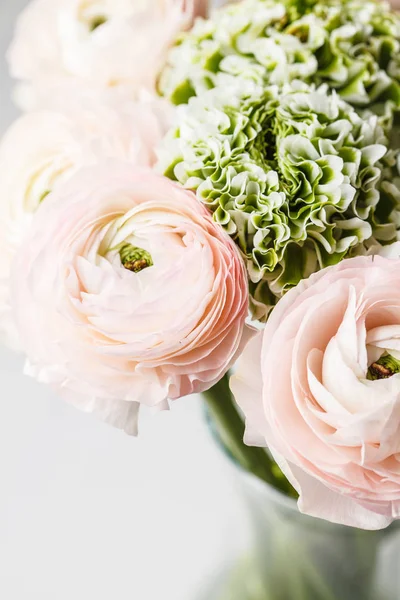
[(230, 428)]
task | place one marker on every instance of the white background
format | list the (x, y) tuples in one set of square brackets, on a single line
[(87, 513)]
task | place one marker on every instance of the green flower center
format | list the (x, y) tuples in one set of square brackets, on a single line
[(44, 196), (383, 368), (264, 146), (135, 259), (97, 22)]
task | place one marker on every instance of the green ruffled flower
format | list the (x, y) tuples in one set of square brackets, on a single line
[(352, 45), (294, 174)]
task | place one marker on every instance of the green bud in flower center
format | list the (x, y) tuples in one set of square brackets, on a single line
[(383, 368), (44, 196), (97, 22), (135, 259)]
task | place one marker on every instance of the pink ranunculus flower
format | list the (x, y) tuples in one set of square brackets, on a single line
[(126, 292), (302, 384), (42, 150), (101, 44)]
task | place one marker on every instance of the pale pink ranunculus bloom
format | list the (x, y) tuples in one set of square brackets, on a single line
[(42, 150), (101, 44), (303, 388), (110, 339)]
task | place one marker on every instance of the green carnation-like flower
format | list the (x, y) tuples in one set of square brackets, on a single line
[(352, 45), (294, 174)]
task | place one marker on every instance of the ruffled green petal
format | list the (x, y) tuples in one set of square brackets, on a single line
[(294, 174), (288, 129), (352, 46)]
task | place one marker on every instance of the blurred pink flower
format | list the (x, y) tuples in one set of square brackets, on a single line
[(98, 43), (303, 388), (43, 149), (111, 330)]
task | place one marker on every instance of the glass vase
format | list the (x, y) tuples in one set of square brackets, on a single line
[(292, 556), (296, 557)]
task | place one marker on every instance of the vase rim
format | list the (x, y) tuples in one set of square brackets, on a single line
[(291, 505)]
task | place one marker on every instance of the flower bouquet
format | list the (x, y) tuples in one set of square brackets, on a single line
[(192, 194)]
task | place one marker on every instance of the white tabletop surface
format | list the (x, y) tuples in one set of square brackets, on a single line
[(87, 513)]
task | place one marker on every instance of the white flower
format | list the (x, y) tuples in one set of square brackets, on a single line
[(42, 150), (102, 43)]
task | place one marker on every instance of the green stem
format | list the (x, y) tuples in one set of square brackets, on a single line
[(230, 428)]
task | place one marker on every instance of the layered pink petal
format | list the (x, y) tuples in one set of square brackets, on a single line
[(106, 336), (334, 433)]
